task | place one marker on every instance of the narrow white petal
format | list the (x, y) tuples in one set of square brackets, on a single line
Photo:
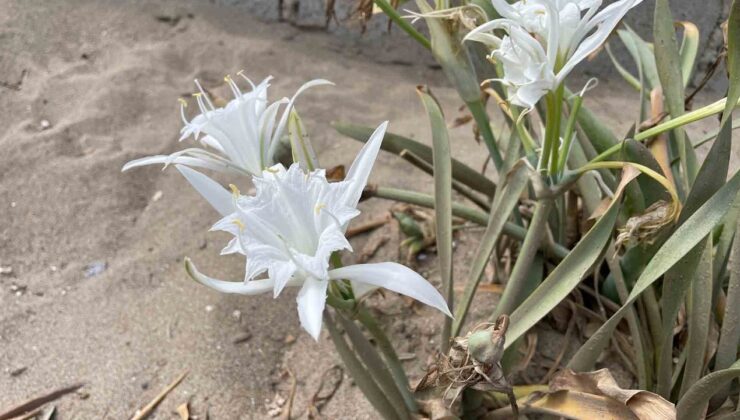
[(253, 287), (212, 191), (311, 301), (359, 172), (198, 162), (286, 112), (395, 277)]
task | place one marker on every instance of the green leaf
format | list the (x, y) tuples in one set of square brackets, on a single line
[(396, 144), (683, 240), (710, 178), (729, 338), (518, 287), (699, 308), (378, 370), (359, 373), (601, 137), (626, 75), (442, 201), (733, 58), (668, 61), (452, 56), (689, 50), (505, 202), (636, 152), (458, 210), (642, 53), (694, 402), (568, 273), (403, 23)]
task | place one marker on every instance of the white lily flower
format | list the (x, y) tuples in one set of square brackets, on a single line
[(291, 226), (545, 40), (243, 135)]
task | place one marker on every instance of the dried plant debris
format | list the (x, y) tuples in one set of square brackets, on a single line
[(593, 395), (645, 227), (330, 382), (473, 362)]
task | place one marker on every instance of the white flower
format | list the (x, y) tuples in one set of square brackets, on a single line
[(545, 40), (291, 226), (243, 135)]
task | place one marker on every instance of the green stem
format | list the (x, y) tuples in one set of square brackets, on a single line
[(570, 130), (458, 210), (553, 127), (484, 125), (517, 287), (669, 125), (402, 23)]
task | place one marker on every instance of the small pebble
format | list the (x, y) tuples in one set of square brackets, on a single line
[(289, 339), (157, 195), (237, 314), (209, 308), (18, 372), (45, 124), (95, 268), (13, 204), (7, 270)]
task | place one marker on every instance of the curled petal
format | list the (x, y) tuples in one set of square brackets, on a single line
[(394, 277), (252, 287)]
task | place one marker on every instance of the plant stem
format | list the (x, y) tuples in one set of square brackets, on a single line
[(516, 288), (570, 131), (402, 23), (553, 127), (684, 119)]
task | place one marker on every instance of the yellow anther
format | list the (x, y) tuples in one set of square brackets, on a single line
[(318, 208), (234, 190), (240, 73), (183, 102), (197, 94), (227, 78), (238, 223), (272, 170)]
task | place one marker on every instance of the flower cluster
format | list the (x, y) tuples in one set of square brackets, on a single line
[(296, 220), (545, 40)]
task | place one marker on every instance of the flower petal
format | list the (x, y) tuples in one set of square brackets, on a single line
[(395, 277), (212, 191), (253, 287), (311, 302), (359, 172)]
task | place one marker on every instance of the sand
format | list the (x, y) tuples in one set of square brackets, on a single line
[(97, 292)]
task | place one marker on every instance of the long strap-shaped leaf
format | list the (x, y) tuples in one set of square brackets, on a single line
[(569, 272), (699, 313), (505, 202), (377, 369), (393, 143), (668, 61), (694, 402), (442, 201), (359, 373), (683, 240)]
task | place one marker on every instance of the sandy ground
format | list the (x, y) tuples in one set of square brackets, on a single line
[(87, 86)]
